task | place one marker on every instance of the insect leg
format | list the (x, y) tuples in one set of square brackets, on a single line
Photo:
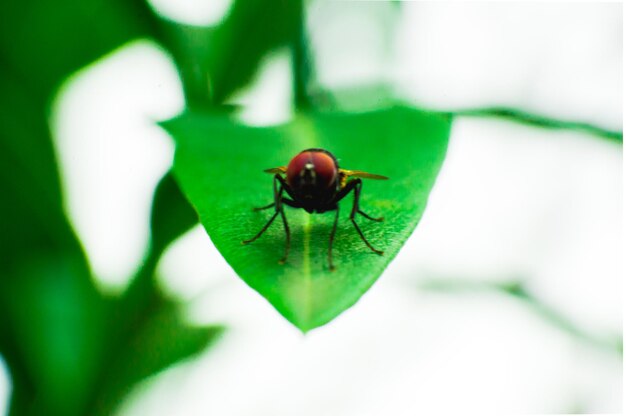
[(357, 194), (356, 185), (286, 187), (332, 238), (284, 200), (278, 208), (290, 203), (265, 227), (379, 219), (270, 205)]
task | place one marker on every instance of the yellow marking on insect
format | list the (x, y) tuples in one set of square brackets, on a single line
[(279, 169)]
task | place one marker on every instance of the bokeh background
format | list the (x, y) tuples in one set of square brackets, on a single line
[(506, 299)]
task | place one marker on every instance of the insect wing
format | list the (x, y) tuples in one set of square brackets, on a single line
[(361, 174), (280, 169)]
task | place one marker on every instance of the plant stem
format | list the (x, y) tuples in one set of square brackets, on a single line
[(300, 61), (541, 121), (518, 291)]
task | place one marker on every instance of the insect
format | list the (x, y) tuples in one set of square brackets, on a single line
[(314, 182)]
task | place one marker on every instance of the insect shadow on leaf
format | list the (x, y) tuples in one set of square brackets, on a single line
[(314, 182)]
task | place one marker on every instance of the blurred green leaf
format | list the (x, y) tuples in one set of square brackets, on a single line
[(40, 44), (172, 215), (155, 341), (31, 218), (44, 41), (219, 165), (521, 116), (517, 289), (50, 312), (56, 327), (215, 61), (368, 97), (160, 341)]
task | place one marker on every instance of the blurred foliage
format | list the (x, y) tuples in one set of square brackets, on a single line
[(174, 216), (541, 121), (304, 290), (70, 349), (43, 41), (517, 289), (215, 61)]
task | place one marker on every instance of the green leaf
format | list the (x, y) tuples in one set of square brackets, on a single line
[(55, 327), (53, 336), (171, 214), (31, 219), (44, 41), (50, 311), (41, 43), (158, 340), (220, 163), (215, 61)]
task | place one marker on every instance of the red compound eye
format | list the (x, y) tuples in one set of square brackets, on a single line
[(321, 163)]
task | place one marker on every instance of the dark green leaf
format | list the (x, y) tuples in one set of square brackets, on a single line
[(51, 315), (153, 343), (214, 62), (53, 334), (40, 44), (55, 327), (219, 165), (171, 214), (31, 218), (44, 41)]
